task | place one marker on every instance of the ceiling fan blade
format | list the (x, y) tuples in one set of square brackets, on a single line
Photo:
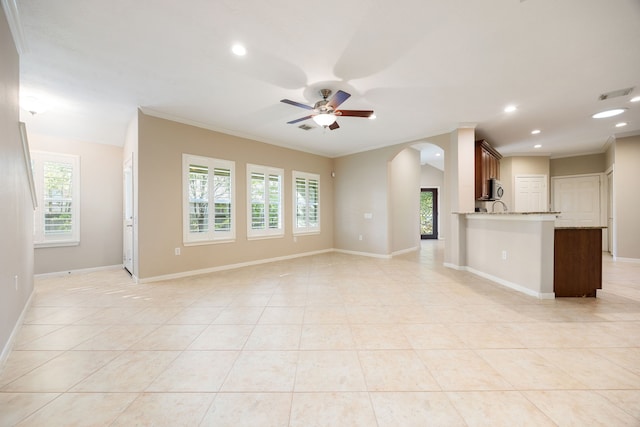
[(296, 104), (299, 120), (334, 125), (338, 99), (354, 113)]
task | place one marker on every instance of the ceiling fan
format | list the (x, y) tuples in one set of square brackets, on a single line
[(325, 111)]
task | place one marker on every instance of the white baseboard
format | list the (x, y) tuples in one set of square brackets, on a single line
[(79, 271), (227, 267), (14, 333), (505, 283), (405, 251), (454, 266), (368, 254), (631, 260)]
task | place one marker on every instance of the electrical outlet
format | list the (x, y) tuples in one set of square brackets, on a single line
[(15, 281), (177, 251), (360, 237), (504, 255)]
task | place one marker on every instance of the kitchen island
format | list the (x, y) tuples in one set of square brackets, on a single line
[(514, 249)]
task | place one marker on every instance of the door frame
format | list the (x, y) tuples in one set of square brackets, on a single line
[(433, 190)]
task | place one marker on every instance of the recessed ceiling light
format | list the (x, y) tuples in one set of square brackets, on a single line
[(510, 108), (535, 131), (239, 50), (621, 124), (609, 113), (537, 146), (635, 99)]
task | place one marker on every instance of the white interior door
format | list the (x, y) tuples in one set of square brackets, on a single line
[(127, 250), (530, 193), (578, 200)]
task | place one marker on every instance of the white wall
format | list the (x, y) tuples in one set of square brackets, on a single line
[(16, 209), (100, 207)]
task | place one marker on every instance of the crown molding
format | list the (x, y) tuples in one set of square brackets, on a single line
[(13, 18)]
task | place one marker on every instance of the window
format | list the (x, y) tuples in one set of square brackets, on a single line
[(57, 217), (306, 202), (208, 193), (264, 201)]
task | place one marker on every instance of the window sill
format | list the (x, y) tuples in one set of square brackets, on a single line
[(208, 242), (55, 244), (275, 236)]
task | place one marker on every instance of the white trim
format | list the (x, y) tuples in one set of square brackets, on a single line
[(79, 271), (511, 285), (631, 260), (15, 25), (369, 254), (506, 283), (228, 267), (405, 251), (454, 266), (14, 333)]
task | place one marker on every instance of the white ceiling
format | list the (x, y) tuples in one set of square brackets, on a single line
[(424, 66)]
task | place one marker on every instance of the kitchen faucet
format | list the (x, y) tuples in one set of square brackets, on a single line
[(504, 206)]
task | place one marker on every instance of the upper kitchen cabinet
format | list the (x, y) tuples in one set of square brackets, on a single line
[(487, 163)]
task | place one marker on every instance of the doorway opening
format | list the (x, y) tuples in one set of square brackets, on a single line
[(428, 213)]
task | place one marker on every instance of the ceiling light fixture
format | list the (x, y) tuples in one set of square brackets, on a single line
[(621, 124), (324, 119), (635, 99), (510, 108), (609, 113), (535, 131), (372, 117), (239, 50), (537, 146)]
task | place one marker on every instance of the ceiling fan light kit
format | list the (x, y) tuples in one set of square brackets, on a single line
[(326, 110)]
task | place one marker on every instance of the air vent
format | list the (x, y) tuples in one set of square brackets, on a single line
[(615, 93), (305, 127)]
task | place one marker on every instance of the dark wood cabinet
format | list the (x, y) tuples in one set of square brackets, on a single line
[(487, 164), (577, 262)]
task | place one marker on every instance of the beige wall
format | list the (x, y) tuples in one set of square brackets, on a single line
[(361, 186), (404, 194), (431, 177), (100, 207), (16, 210), (161, 144), (626, 199), (578, 165)]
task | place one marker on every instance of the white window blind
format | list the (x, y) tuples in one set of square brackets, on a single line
[(264, 204), (208, 193), (306, 201), (57, 217)]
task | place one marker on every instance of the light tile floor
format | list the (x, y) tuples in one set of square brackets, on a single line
[(327, 340)]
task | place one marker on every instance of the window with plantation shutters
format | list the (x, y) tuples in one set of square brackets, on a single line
[(57, 216), (208, 206), (306, 201), (264, 203)]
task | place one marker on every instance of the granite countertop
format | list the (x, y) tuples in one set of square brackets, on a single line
[(596, 227), (507, 213)]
